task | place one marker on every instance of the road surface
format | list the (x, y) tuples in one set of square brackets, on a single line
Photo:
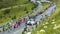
[(48, 12)]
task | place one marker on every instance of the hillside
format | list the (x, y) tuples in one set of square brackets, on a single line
[(8, 3), (50, 25), (13, 9)]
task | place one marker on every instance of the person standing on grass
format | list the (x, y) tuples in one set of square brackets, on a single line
[(3, 26), (9, 25), (21, 20)]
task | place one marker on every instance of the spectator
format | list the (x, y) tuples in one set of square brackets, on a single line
[(21, 20), (3, 27), (26, 24), (15, 25), (25, 29), (27, 17), (18, 22)]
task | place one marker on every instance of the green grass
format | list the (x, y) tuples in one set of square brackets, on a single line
[(8, 3), (18, 11), (50, 27), (45, 5)]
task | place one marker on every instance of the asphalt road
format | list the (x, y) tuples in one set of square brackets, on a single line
[(48, 12)]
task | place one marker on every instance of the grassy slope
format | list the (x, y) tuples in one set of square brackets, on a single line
[(17, 11), (45, 5), (8, 3), (50, 26)]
